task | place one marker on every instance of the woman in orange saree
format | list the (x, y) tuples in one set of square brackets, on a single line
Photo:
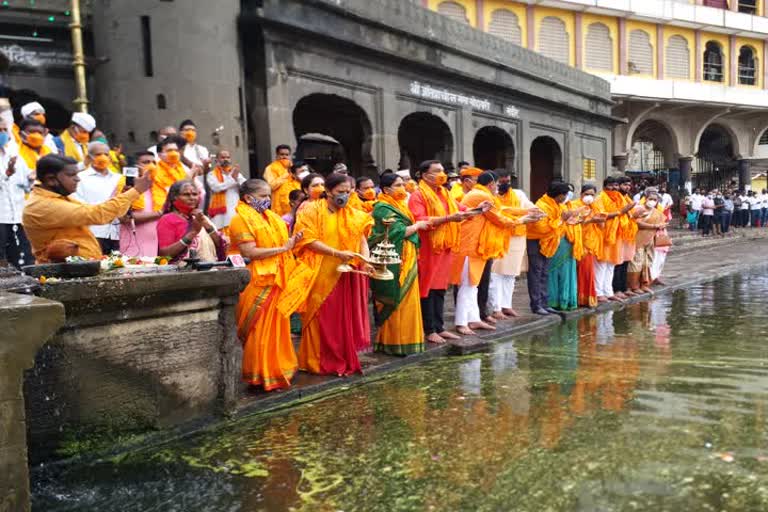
[(592, 240), (335, 312), (261, 235)]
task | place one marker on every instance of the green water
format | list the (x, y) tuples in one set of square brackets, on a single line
[(658, 407)]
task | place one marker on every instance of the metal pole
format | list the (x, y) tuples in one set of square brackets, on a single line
[(78, 63)]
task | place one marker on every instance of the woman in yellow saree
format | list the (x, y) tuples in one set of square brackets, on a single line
[(261, 235), (397, 302), (335, 312)]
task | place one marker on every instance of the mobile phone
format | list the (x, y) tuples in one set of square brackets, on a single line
[(130, 173)]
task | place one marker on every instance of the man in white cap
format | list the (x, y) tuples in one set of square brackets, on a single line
[(34, 110), (73, 142)]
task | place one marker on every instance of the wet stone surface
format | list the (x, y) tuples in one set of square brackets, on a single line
[(660, 406)]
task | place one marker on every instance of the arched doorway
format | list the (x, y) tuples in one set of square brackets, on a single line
[(493, 149), (338, 119), (424, 136), (654, 147), (546, 165), (715, 163)]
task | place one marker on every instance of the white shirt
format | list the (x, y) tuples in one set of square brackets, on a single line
[(13, 187), (666, 201), (744, 202), (95, 188), (524, 201), (232, 195), (696, 201), (196, 153), (755, 203)]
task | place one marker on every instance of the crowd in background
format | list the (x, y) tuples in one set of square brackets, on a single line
[(308, 238), (715, 212)]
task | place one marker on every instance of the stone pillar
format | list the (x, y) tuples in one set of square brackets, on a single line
[(733, 63), (684, 164), (28, 322), (660, 48), (698, 60), (620, 162), (734, 5), (745, 175), (579, 38), (530, 24), (623, 66)]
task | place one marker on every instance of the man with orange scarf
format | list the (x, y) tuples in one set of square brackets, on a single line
[(32, 133), (482, 239), (542, 244), (432, 202), (364, 197), (73, 142), (260, 235), (34, 110), (224, 183), (609, 205), (280, 178), (169, 171), (626, 236)]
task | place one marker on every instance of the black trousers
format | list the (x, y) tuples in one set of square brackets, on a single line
[(432, 307), (706, 224), (482, 290), (620, 277), (538, 276), (14, 246), (107, 245)]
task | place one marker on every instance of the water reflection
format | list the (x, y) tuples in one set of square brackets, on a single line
[(656, 407)]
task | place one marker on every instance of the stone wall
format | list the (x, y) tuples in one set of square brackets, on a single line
[(136, 353), (26, 322)]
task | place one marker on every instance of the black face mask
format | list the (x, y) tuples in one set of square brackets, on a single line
[(504, 188)]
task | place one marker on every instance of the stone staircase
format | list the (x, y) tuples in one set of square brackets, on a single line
[(685, 241)]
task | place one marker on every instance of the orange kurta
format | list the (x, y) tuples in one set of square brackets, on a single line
[(483, 237), (165, 176), (610, 251), (268, 356), (49, 216), (282, 182), (549, 230)]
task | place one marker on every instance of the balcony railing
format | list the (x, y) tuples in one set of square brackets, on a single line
[(745, 6)]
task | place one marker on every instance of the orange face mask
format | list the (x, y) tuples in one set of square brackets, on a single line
[(35, 140), (287, 163), (39, 117), (172, 157), (410, 186), (441, 178), (100, 162), (369, 195), (315, 191), (190, 135), (399, 193), (149, 169), (83, 137)]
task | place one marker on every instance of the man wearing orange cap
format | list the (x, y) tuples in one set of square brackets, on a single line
[(468, 176)]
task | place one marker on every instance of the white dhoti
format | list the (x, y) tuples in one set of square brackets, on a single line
[(500, 291), (604, 278), (504, 271), (467, 310), (659, 258)]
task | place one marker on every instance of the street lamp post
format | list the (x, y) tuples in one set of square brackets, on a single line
[(78, 63)]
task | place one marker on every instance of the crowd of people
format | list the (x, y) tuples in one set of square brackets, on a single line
[(308, 237), (715, 212)]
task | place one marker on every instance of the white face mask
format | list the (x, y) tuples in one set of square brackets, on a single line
[(652, 203), (588, 199), (569, 196), (302, 175)]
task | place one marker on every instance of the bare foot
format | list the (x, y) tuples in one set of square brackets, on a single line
[(602, 299), (435, 338), (510, 312), (620, 296), (490, 320), (498, 315), (482, 325), (638, 291), (466, 331), (614, 298), (647, 289), (448, 335)]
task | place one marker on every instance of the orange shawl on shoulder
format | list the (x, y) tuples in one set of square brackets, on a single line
[(446, 236), (549, 230)]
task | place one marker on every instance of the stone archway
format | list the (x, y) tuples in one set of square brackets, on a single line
[(342, 120), (716, 162), (546, 165), (493, 148), (424, 136), (654, 146)]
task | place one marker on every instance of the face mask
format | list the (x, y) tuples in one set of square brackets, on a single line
[(261, 205), (172, 157), (569, 196), (225, 164), (83, 137), (399, 193), (341, 200), (150, 168), (182, 207), (588, 199), (441, 178), (410, 186), (103, 140), (652, 203), (39, 117), (190, 136), (100, 162), (302, 175), (286, 162), (4, 138), (316, 191), (35, 140), (504, 188), (370, 194)]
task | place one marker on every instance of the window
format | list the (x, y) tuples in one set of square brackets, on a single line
[(640, 53), (504, 24), (720, 4), (146, 46), (748, 6), (763, 138), (747, 66), (713, 62), (599, 48), (553, 40), (677, 60), (589, 169), (454, 11), (160, 101)]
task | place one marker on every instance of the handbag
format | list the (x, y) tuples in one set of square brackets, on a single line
[(662, 240)]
